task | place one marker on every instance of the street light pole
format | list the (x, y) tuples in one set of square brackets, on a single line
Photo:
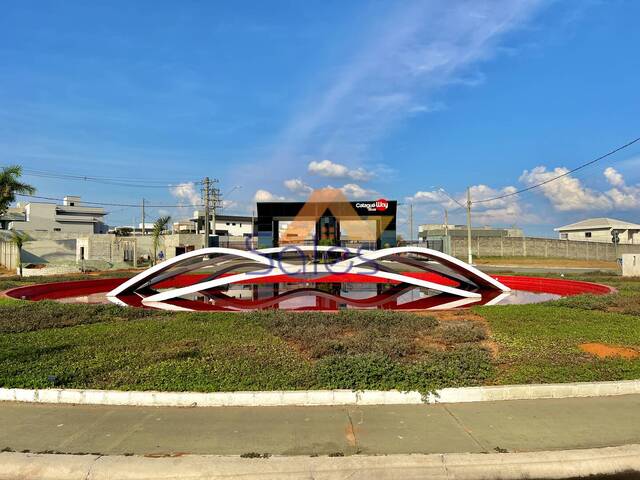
[(469, 254)]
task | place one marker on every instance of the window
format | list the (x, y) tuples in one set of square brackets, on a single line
[(564, 236), (587, 234), (57, 229)]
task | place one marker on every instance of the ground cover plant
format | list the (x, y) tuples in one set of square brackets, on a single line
[(540, 343), (44, 344)]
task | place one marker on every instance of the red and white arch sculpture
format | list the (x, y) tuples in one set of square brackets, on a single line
[(262, 265)]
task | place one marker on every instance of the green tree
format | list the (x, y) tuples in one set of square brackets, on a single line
[(159, 226), (10, 185), (18, 239)]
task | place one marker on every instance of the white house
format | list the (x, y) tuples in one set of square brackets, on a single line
[(70, 217), (600, 230)]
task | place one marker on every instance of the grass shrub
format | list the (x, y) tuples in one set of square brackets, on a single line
[(25, 316), (469, 365), (460, 332), (349, 332)]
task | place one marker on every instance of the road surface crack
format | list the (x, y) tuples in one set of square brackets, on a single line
[(466, 430)]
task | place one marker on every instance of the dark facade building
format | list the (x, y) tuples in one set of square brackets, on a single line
[(367, 224)]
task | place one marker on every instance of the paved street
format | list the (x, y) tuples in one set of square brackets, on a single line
[(523, 425)]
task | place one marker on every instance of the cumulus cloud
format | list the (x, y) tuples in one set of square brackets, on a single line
[(622, 196), (266, 196), (355, 191), (188, 192), (296, 185), (327, 168), (507, 210), (613, 177), (568, 193)]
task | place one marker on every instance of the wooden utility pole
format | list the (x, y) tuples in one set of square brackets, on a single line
[(469, 254)]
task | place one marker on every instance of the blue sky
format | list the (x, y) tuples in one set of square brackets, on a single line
[(381, 98)]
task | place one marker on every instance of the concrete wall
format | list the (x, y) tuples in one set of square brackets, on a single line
[(631, 265), (539, 247), (8, 255)]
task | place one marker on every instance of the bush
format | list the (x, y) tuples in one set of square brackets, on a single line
[(461, 332), (468, 365), (25, 316), (349, 331)]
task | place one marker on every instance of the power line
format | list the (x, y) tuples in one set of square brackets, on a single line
[(105, 204), (584, 165), (117, 181)]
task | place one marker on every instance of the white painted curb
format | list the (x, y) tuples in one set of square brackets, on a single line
[(319, 397), (461, 466)]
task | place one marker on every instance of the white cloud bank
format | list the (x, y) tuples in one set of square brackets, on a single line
[(327, 168), (297, 186), (569, 194), (188, 192)]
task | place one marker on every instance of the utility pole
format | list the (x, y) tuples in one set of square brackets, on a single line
[(446, 222), (411, 222), (469, 254), (211, 199), (207, 202), (143, 224)]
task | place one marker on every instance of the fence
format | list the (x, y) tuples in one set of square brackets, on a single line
[(539, 247)]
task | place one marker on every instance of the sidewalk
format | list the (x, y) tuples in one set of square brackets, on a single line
[(514, 426)]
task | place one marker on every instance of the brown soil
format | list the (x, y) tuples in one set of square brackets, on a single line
[(602, 350), (544, 262)]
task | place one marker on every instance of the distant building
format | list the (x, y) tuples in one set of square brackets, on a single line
[(131, 229), (440, 230), (600, 230), (226, 225), (70, 217)]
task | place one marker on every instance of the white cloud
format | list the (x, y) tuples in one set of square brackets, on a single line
[(354, 191), (613, 177), (407, 56), (429, 196), (507, 210), (266, 196), (296, 185), (188, 192), (566, 194), (623, 196), (327, 168)]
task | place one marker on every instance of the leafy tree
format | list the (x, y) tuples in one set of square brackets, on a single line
[(159, 226), (10, 185), (18, 239)]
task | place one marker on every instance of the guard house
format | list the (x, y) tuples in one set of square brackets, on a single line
[(363, 224)]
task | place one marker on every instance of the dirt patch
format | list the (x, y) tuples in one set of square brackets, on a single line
[(544, 262), (602, 350)]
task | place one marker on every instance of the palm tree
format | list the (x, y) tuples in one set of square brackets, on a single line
[(159, 226), (18, 239), (10, 185)]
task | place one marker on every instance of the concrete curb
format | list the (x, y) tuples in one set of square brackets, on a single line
[(461, 466), (318, 397)]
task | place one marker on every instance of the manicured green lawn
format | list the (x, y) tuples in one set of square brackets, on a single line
[(44, 344)]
